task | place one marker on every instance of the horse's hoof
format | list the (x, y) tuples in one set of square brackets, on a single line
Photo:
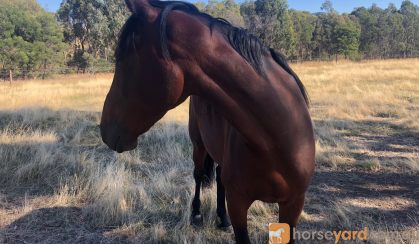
[(197, 220), (225, 228), (206, 182), (225, 224)]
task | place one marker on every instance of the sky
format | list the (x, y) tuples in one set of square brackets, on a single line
[(308, 5)]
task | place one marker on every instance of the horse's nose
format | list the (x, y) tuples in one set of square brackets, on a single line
[(109, 137)]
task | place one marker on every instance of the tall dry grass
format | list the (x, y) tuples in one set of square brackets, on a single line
[(56, 172), (370, 98)]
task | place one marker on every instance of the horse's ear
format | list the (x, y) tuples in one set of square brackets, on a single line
[(141, 7)]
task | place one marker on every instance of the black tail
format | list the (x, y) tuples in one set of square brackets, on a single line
[(209, 172), (280, 59)]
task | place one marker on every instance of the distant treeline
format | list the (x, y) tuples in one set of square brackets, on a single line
[(83, 33)]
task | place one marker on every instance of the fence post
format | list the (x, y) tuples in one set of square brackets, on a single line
[(10, 76), (44, 70)]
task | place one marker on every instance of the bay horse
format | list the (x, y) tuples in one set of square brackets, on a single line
[(248, 109)]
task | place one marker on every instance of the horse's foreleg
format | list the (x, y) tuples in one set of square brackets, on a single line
[(290, 212), (221, 203), (237, 209)]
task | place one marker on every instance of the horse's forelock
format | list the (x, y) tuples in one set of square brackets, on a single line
[(126, 40)]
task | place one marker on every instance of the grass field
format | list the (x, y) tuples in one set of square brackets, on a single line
[(60, 184)]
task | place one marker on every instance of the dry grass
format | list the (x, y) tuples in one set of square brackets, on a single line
[(59, 183)]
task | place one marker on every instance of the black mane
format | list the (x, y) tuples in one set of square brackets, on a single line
[(126, 41), (247, 45)]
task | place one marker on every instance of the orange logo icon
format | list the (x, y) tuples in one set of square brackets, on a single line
[(279, 233)]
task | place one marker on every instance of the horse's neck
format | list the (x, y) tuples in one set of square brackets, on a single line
[(242, 105)]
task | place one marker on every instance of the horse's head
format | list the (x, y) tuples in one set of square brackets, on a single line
[(145, 84)]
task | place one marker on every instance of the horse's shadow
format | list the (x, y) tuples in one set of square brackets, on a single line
[(353, 196), (30, 136), (55, 225), (59, 224)]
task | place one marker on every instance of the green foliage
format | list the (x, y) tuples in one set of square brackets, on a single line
[(84, 24), (335, 34), (86, 32), (116, 14), (80, 60), (372, 32), (304, 25), (270, 20), (30, 38), (389, 32), (346, 39), (410, 24), (29, 7), (226, 9), (92, 28)]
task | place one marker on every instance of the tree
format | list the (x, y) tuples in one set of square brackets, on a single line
[(327, 7), (86, 27), (31, 38), (50, 42), (336, 35), (346, 39), (226, 9), (370, 30), (116, 13), (304, 26), (390, 32), (323, 40), (29, 7), (410, 14), (270, 20)]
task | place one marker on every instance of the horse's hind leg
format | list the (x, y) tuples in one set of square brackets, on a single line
[(221, 202), (200, 156)]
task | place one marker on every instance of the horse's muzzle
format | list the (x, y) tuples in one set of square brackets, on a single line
[(117, 139)]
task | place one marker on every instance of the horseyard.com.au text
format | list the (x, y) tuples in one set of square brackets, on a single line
[(279, 233), (336, 235)]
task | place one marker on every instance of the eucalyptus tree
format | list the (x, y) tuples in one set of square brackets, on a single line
[(270, 20), (86, 28), (30, 38), (304, 24), (410, 14)]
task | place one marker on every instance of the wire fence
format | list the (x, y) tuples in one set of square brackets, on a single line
[(10, 75)]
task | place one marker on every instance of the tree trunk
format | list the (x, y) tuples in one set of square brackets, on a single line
[(45, 70)]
